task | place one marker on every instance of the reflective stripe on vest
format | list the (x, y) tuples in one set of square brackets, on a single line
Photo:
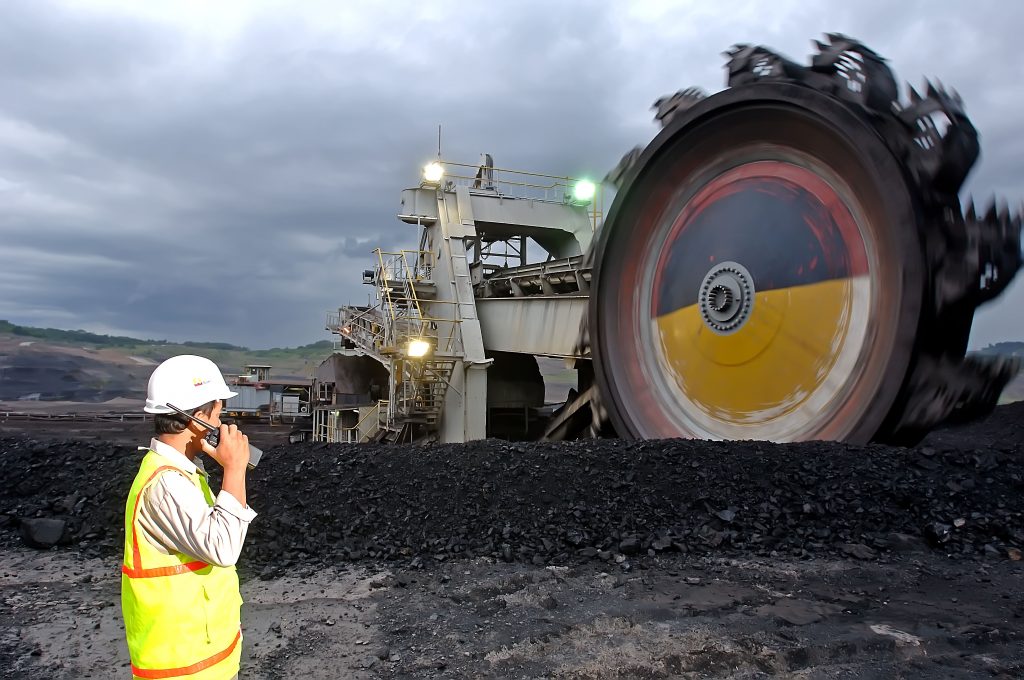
[(136, 570), (188, 670), (181, 614)]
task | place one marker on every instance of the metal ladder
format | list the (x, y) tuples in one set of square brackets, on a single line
[(418, 385)]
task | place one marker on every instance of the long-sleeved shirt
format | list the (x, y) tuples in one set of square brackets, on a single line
[(175, 517)]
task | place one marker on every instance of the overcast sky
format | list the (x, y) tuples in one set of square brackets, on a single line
[(221, 170)]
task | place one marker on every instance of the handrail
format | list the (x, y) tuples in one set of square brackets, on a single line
[(509, 171), (74, 416), (375, 411), (352, 433), (412, 289), (595, 212), (403, 317)]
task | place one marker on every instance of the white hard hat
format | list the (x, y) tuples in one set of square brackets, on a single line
[(187, 382)]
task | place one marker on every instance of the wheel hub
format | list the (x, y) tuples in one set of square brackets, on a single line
[(726, 297)]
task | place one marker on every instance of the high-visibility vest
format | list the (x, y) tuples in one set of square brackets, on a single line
[(182, 616)]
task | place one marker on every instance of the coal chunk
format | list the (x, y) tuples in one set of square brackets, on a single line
[(629, 546), (41, 532)]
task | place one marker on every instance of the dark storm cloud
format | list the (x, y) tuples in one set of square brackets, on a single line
[(229, 185)]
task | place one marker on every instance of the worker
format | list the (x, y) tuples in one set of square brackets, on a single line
[(179, 588)]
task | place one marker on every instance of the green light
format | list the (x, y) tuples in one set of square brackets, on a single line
[(584, 191)]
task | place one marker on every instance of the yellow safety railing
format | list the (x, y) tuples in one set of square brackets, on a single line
[(352, 434), (403, 315), (327, 430), (397, 268)]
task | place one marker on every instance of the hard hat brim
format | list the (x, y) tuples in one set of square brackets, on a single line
[(161, 409)]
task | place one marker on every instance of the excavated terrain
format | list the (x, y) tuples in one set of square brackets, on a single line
[(588, 559)]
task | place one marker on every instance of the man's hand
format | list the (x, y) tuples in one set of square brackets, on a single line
[(232, 453)]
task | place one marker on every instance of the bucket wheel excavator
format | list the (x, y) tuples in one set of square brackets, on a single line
[(788, 259)]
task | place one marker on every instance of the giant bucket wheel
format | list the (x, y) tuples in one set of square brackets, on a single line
[(768, 270)]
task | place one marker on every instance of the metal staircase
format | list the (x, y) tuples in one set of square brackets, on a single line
[(405, 332), (421, 397)]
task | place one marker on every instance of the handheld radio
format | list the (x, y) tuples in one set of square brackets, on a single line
[(213, 436)]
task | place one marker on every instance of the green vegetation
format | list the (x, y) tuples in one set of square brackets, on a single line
[(76, 337), (232, 358)]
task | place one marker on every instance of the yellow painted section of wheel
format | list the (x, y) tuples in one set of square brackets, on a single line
[(784, 353)]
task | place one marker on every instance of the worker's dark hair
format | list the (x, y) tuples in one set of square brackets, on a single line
[(173, 423)]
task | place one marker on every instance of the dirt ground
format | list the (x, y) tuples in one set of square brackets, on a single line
[(920, 617), (910, 612)]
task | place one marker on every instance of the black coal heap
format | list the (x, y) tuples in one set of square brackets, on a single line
[(961, 492)]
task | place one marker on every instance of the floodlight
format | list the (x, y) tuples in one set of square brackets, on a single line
[(418, 348), (433, 172)]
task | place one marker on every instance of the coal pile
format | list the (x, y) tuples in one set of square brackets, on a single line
[(960, 493), (83, 484)]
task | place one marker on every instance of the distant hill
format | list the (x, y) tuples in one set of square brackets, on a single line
[(74, 365), (1015, 349), (80, 337), (1015, 390)]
